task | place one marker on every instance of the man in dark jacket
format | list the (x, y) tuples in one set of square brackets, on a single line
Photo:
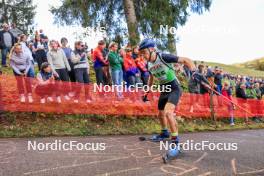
[(7, 40), (16, 32), (218, 80), (241, 91), (262, 89), (198, 84)]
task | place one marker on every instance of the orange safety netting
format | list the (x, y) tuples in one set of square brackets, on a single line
[(107, 103)]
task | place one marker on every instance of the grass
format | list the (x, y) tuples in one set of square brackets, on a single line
[(253, 64), (234, 69), (42, 125)]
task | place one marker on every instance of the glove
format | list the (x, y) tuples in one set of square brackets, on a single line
[(145, 97)]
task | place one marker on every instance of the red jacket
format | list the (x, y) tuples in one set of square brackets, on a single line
[(227, 93), (129, 63), (141, 64), (98, 58)]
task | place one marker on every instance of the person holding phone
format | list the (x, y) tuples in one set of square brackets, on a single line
[(47, 86)]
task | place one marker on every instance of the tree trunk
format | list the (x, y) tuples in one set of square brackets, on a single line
[(131, 21), (4, 15), (172, 43)]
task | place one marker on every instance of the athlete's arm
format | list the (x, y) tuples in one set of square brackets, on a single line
[(170, 58), (188, 62), (150, 81)]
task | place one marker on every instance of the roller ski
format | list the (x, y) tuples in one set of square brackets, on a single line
[(163, 136), (171, 154)]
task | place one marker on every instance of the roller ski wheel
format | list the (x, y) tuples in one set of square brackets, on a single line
[(170, 155)]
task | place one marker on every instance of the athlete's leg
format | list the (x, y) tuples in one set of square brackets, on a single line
[(169, 114), (162, 119), (169, 109)]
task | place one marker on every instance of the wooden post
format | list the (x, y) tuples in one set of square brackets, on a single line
[(212, 106)]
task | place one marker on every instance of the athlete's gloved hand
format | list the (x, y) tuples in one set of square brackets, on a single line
[(145, 97)]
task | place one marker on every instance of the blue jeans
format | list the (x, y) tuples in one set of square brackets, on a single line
[(231, 113), (82, 77), (117, 77), (31, 71), (99, 75), (4, 54), (219, 88)]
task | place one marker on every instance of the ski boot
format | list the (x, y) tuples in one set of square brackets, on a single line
[(160, 137), (172, 153)]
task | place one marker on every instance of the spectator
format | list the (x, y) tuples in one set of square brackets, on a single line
[(135, 52), (58, 61), (130, 68), (30, 46), (46, 86), (39, 50), (99, 62), (259, 97), (41, 34), (142, 66), (16, 32), (241, 93), (227, 92), (198, 85), (68, 53), (262, 89), (25, 49), (122, 54), (143, 74), (203, 81), (116, 63), (44, 39), (59, 65), (81, 65), (106, 68), (20, 63), (218, 80), (187, 72), (251, 92), (7, 40), (210, 76)]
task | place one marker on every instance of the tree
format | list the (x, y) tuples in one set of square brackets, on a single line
[(131, 18), (173, 13), (109, 14), (20, 12)]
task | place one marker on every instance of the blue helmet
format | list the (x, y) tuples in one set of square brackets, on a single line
[(147, 43)]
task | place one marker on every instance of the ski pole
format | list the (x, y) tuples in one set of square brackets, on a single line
[(209, 87)]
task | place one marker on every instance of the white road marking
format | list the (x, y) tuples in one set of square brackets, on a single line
[(120, 171), (73, 165)]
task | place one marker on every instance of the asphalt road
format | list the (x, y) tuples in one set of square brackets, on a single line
[(126, 155)]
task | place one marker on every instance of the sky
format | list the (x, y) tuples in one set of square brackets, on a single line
[(231, 32)]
